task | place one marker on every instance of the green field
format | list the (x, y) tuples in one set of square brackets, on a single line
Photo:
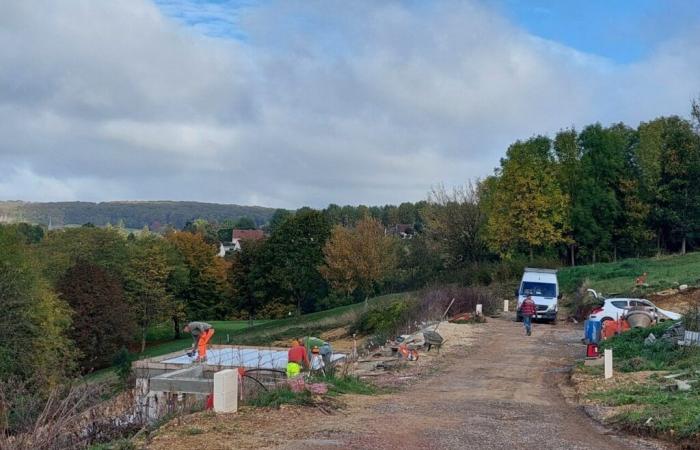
[(164, 333), (618, 278)]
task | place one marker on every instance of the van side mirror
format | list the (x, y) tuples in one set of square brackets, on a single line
[(516, 292), (559, 296)]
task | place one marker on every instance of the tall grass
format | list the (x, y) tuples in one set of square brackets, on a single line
[(619, 277)]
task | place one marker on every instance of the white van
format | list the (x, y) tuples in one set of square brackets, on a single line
[(543, 287)]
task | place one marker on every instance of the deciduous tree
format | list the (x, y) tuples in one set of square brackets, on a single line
[(102, 320), (527, 208), (358, 258)]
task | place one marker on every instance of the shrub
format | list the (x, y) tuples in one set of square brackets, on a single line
[(281, 396), (383, 319), (581, 303), (122, 365)]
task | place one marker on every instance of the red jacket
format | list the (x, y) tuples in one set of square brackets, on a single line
[(298, 355), (528, 307)]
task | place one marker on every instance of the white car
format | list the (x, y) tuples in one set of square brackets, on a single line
[(614, 308)]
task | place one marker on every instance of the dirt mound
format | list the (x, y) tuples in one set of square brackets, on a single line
[(677, 301)]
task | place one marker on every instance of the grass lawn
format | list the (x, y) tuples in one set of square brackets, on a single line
[(224, 329), (654, 407), (618, 277)]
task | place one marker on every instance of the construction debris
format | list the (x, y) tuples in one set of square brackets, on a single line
[(650, 340)]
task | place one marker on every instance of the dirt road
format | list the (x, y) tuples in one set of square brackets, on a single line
[(502, 392)]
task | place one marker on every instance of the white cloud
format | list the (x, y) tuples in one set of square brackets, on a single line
[(345, 102)]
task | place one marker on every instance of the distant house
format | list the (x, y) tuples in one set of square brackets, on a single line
[(402, 230), (239, 236)]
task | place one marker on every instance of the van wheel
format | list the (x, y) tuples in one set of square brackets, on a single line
[(518, 318)]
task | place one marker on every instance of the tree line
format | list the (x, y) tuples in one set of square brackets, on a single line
[(599, 194)]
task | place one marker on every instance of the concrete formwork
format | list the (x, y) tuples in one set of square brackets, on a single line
[(176, 377)]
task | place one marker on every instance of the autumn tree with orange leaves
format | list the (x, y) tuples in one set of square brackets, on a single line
[(358, 258)]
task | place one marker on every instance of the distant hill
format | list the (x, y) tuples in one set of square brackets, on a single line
[(134, 214)]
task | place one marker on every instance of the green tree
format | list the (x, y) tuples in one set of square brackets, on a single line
[(146, 285), (597, 215), (648, 157), (668, 155), (245, 223), (248, 274), (294, 253), (527, 207), (62, 249), (34, 321), (679, 189), (407, 213), (568, 169), (279, 216)]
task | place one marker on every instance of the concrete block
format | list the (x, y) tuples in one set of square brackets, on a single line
[(505, 305), (226, 391), (608, 356), (479, 309)]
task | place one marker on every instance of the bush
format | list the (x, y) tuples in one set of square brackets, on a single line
[(122, 365), (282, 396), (383, 319), (581, 303)]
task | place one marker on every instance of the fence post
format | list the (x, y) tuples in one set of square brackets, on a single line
[(608, 355), (506, 303)]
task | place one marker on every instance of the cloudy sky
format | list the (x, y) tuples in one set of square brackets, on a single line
[(296, 103)]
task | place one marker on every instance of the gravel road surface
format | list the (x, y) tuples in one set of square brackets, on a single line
[(503, 392)]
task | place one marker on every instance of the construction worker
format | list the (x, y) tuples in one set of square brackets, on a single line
[(201, 335), (297, 359), (317, 363), (528, 309)]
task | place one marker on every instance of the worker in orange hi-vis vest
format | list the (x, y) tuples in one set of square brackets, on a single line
[(201, 334)]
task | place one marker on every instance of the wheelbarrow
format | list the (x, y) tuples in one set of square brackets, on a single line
[(432, 338)]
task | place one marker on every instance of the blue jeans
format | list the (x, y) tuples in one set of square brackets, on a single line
[(527, 321)]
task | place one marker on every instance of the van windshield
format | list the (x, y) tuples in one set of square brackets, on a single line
[(538, 289)]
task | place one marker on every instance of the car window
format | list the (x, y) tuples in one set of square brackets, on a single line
[(620, 304), (641, 303), (538, 289)]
